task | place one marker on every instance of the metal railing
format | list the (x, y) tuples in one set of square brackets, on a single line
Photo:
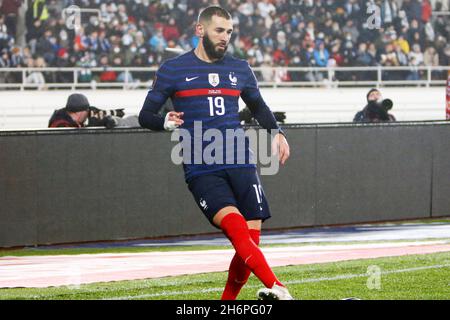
[(141, 78)]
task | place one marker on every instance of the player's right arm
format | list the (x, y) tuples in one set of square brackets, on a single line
[(161, 90)]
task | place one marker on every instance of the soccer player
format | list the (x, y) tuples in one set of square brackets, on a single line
[(205, 85)]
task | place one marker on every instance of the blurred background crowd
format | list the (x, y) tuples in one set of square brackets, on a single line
[(296, 33)]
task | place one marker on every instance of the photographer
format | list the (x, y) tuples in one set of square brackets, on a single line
[(376, 109), (78, 113)]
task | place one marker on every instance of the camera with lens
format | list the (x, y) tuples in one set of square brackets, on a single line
[(104, 118), (246, 116), (100, 114), (379, 109), (386, 104)]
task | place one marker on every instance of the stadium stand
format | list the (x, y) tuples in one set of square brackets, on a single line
[(293, 33)]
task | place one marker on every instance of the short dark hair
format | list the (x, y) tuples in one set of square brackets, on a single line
[(370, 91), (207, 13)]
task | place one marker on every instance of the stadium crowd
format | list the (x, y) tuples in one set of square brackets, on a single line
[(298, 33)]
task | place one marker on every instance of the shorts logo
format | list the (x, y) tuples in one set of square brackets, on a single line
[(214, 79), (203, 204)]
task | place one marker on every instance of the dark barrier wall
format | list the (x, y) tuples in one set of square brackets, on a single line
[(88, 185), (441, 171)]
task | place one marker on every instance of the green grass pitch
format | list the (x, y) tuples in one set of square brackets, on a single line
[(408, 277)]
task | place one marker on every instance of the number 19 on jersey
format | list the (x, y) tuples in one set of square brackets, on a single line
[(216, 106)]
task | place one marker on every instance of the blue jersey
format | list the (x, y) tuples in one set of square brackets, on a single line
[(208, 94)]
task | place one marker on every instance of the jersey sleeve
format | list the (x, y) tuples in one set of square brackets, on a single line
[(255, 102), (161, 90)]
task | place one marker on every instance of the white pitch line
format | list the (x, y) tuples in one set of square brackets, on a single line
[(311, 280)]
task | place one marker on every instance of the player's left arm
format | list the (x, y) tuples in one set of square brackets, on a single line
[(262, 113)]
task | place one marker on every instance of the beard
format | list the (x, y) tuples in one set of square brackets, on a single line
[(211, 50)]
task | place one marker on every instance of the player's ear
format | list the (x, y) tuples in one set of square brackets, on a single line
[(199, 30)]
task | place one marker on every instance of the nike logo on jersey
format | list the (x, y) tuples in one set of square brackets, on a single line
[(190, 79)]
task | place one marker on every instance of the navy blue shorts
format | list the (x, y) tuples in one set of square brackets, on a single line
[(239, 187)]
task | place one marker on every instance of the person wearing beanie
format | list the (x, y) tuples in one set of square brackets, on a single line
[(79, 113), (74, 115)]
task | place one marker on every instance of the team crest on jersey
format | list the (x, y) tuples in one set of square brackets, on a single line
[(233, 79), (214, 79)]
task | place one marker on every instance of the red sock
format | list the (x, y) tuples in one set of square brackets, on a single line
[(238, 273), (235, 228)]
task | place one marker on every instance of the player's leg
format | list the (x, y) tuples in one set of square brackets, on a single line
[(235, 227), (217, 200), (238, 272), (212, 193), (254, 207)]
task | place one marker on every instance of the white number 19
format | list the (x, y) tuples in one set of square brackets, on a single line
[(216, 106)]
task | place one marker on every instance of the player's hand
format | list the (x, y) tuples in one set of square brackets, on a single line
[(281, 148), (173, 120)]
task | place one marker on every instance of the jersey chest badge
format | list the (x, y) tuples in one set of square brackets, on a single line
[(214, 79), (233, 79)]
